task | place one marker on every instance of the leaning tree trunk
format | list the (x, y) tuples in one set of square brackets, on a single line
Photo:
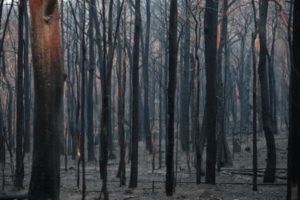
[(48, 108), (171, 98), (210, 33), (265, 94), (294, 108)]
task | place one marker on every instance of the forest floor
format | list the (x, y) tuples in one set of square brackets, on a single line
[(233, 183)]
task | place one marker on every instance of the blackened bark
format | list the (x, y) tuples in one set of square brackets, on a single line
[(90, 89), (105, 117), (83, 102), (265, 94), (146, 79), (254, 114), (294, 107), (48, 109), (271, 75), (20, 104), (10, 117), (210, 34), (242, 84), (195, 112), (27, 85), (135, 98), (223, 153), (184, 117), (2, 144), (121, 107), (109, 65), (171, 98)]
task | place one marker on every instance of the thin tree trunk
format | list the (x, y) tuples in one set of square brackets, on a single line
[(83, 98)]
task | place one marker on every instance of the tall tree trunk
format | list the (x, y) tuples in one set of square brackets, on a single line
[(83, 101), (27, 86), (294, 108), (195, 112), (254, 112), (223, 153), (48, 109), (20, 104), (265, 94), (90, 89), (271, 75), (135, 98), (105, 120), (184, 116), (121, 72), (210, 37), (146, 79), (171, 98)]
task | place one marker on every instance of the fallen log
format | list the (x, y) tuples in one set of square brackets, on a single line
[(258, 175), (14, 197)]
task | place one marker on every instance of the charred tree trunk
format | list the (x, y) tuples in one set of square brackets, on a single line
[(27, 86), (265, 94), (105, 117), (146, 80), (83, 102), (294, 108), (48, 109), (254, 113), (184, 118), (20, 104), (121, 119), (195, 112), (90, 89), (135, 98), (210, 37), (121, 75), (10, 117), (271, 75), (223, 153), (171, 98)]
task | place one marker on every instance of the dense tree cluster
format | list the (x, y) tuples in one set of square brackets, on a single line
[(92, 77)]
